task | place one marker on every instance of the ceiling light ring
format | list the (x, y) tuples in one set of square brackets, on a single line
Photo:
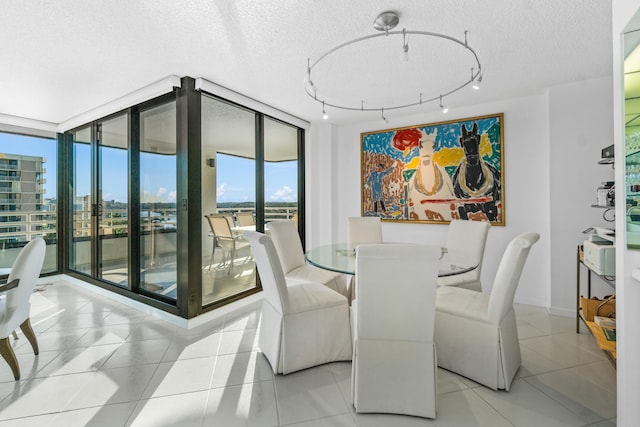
[(312, 90)]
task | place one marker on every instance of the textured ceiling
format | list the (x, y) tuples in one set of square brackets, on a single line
[(62, 58)]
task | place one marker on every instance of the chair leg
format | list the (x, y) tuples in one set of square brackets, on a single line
[(27, 330), (213, 252), (15, 336), (7, 353), (233, 258)]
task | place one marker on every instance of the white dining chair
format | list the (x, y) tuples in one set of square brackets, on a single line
[(466, 240), (15, 305), (475, 333), (367, 229), (394, 357), (303, 324), (289, 247)]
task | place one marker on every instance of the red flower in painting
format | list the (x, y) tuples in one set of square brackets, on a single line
[(406, 139)]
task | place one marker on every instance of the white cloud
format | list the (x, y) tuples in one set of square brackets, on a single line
[(221, 189), (284, 194), (161, 196)]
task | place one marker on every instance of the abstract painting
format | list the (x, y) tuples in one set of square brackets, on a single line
[(434, 173)]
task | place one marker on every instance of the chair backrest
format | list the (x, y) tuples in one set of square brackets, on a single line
[(220, 225), (287, 242), (270, 270), (26, 267), (508, 275), (468, 239), (396, 291), (245, 218), (361, 230)]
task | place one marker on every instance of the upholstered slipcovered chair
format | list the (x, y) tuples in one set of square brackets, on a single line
[(367, 229), (476, 334), (394, 356), (289, 247), (303, 324), (466, 240), (15, 305)]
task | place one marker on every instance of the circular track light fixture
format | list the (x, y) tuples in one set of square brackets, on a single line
[(385, 23)]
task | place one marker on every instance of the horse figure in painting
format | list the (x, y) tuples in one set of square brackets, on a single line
[(476, 180)]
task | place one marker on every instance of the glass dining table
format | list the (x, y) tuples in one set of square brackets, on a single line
[(339, 257)]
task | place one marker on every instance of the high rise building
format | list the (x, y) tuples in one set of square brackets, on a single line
[(23, 213)]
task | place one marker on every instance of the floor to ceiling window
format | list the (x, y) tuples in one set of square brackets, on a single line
[(161, 194), (113, 213), (28, 196), (158, 225), (81, 202), (280, 171), (228, 198)]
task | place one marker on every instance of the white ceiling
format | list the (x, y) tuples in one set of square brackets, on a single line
[(60, 59)]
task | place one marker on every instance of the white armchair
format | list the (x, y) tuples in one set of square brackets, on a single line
[(466, 240), (476, 334), (394, 356), (15, 305), (360, 230), (289, 247), (304, 324)]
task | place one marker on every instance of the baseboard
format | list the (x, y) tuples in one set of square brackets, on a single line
[(560, 311)]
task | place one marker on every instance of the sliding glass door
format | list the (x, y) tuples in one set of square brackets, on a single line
[(113, 193), (228, 188), (158, 184), (150, 187), (99, 194), (81, 248), (280, 171)]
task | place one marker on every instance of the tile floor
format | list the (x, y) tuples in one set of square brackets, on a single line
[(104, 364)]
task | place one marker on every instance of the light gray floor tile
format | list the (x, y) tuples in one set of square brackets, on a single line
[(384, 420), (308, 395), (526, 406), (246, 405), (449, 382), (138, 353), (238, 341), (466, 408), (29, 364), (240, 368), (79, 359), (98, 416), (181, 376), (111, 386), (192, 346), (344, 420), (184, 410), (42, 396), (38, 420), (139, 370), (578, 391), (104, 335)]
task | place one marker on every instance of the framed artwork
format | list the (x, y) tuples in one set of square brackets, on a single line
[(436, 172)]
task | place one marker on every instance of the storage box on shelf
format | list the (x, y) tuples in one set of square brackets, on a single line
[(587, 308)]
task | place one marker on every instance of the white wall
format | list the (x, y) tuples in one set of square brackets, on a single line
[(627, 289), (580, 125), (531, 126)]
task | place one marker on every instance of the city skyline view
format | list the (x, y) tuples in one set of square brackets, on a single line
[(235, 177)]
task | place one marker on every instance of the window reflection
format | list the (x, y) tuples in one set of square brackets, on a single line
[(158, 273)]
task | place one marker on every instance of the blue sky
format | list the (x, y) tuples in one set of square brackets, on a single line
[(235, 179)]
